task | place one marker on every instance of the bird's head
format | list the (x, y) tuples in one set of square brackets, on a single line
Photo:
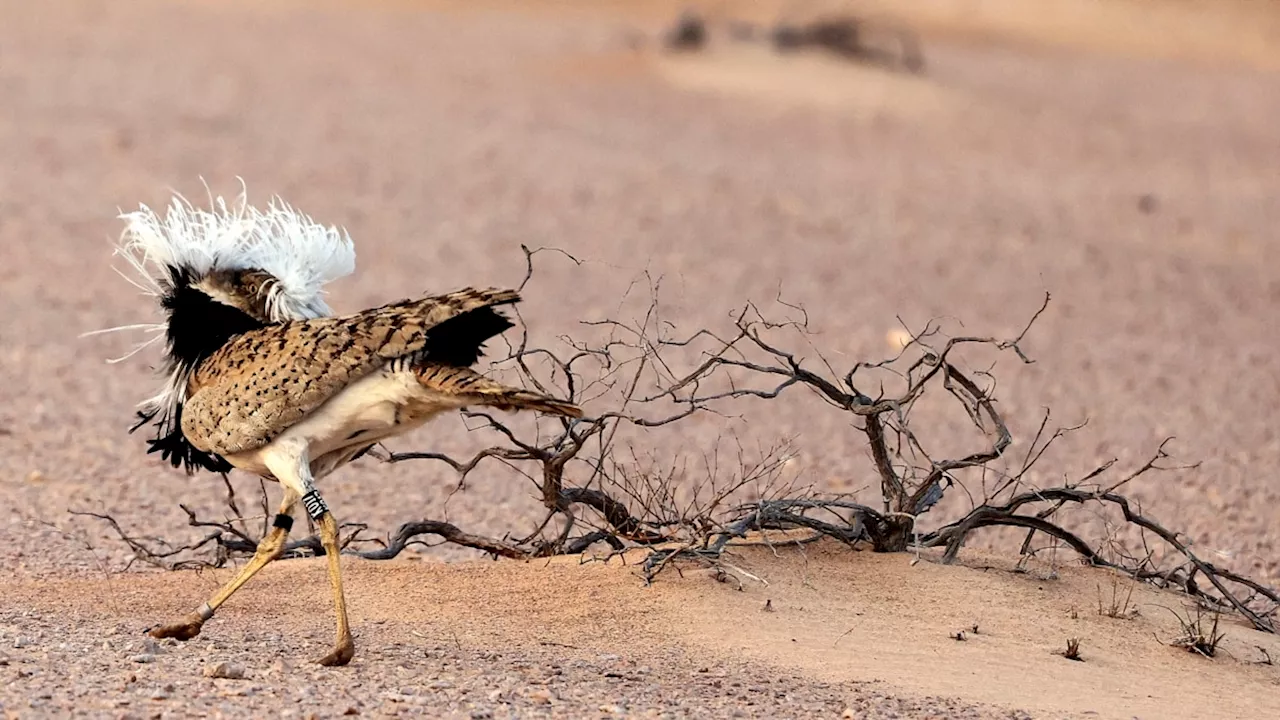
[(248, 291)]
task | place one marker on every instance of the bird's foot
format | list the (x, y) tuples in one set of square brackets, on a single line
[(184, 629), (341, 655)]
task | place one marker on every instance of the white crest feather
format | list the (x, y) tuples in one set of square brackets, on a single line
[(301, 254)]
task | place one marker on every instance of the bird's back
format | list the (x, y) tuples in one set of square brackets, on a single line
[(261, 382)]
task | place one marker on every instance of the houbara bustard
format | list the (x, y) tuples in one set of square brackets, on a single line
[(261, 377)]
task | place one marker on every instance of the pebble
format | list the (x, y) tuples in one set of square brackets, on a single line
[(397, 697), (143, 658), (226, 671)]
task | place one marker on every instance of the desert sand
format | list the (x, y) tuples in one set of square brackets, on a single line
[(1123, 159)]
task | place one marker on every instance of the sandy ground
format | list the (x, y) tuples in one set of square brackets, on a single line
[(441, 136), (858, 633)]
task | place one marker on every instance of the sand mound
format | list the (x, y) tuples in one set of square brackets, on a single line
[(805, 79)]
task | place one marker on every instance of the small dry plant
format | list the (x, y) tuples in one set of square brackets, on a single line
[(1118, 606), (875, 42), (1072, 651), (1200, 634)]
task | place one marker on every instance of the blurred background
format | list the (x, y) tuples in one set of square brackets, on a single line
[(879, 163)]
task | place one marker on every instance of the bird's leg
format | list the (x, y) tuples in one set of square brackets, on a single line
[(269, 549), (344, 648), (288, 461)]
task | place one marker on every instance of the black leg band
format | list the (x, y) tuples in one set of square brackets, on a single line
[(315, 505), (282, 521)]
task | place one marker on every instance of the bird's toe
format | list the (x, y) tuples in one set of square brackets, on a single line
[(341, 655), (181, 630)]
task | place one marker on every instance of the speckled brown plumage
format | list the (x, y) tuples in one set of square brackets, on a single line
[(262, 382)]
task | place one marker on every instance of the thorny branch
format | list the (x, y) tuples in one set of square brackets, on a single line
[(648, 378)]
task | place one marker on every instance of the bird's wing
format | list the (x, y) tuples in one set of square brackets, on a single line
[(262, 382), (464, 386)]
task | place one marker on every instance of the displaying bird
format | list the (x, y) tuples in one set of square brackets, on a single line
[(261, 377)]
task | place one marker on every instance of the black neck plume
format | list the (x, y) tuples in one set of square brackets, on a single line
[(198, 326)]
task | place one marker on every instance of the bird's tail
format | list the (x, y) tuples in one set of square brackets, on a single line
[(466, 387)]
